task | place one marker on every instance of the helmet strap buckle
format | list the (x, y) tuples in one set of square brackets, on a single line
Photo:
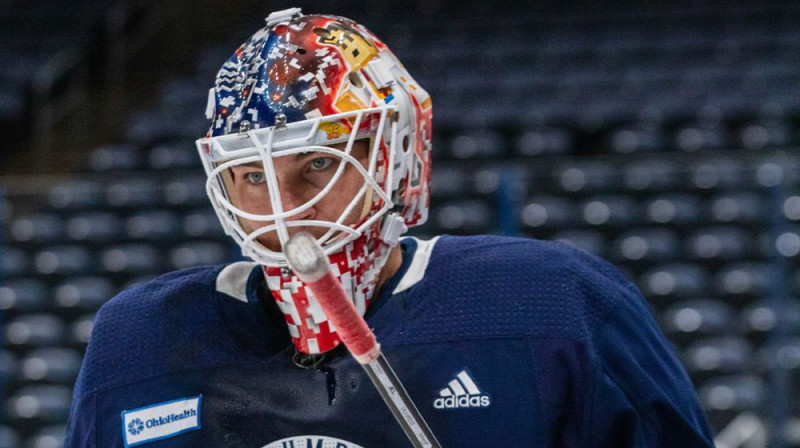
[(393, 228)]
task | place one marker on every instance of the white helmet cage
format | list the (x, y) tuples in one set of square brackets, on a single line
[(265, 144)]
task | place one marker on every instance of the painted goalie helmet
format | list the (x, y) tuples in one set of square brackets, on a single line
[(319, 101)]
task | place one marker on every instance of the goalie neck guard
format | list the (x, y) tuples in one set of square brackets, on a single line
[(319, 88)]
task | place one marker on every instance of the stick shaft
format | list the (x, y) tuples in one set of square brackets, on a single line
[(399, 402), (310, 264)]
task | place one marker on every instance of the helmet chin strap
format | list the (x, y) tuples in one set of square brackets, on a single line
[(357, 266)]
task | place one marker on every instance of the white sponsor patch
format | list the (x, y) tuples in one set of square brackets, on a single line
[(311, 442), (160, 421)]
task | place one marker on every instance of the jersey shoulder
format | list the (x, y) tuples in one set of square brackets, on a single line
[(493, 286), (167, 324)]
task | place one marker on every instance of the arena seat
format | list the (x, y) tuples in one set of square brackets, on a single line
[(80, 330), (647, 244), (592, 177), (636, 139), (185, 93), (682, 280), (477, 145), (652, 175), (50, 365), (695, 137), (9, 437), (8, 368), (591, 241), (197, 253), (676, 209), (733, 393), (186, 191), (791, 207), (763, 134), (794, 283), (14, 262), (607, 211), (782, 354), (132, 259), (120, 157), (38, 228), (719, 243), (544, 141), (202, 223), (740, 207), (83, 194), (154, 225), (83, 293), (718, 173), (780, 169), (763, 316), (51, 436), (488, 180), (463, 217), (699, 317), (34, 330), (49, 403), (64, 260), (450, 181), (24, 295), (94, 227), (742, 279), (133, 192), (552, 212), (170, 156), (719, 356), (154, 126)]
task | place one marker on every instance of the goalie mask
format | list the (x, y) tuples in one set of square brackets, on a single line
[(316, 126)]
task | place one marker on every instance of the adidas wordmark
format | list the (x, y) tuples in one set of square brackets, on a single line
[(462, 392)]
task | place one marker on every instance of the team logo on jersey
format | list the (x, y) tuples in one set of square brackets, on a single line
[(160, 421), (461, 392), (311, 442)]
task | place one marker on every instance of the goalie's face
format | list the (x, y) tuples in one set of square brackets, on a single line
[(300, 178)]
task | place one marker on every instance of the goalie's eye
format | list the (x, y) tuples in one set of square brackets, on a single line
[(255, 177), (320, 163)]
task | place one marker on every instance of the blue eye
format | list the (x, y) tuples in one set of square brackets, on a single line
[(255, 177), (321, 163)]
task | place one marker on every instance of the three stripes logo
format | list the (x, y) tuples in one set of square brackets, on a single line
[(461, 392)]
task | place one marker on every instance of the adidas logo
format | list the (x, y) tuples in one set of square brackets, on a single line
[(462, 392)]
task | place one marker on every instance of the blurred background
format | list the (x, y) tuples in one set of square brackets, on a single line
[(663, 138)]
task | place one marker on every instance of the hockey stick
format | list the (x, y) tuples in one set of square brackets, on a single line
[(308, 261)]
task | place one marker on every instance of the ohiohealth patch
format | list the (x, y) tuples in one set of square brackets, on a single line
[(161, 421)]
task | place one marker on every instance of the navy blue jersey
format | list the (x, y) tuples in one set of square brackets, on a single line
[(501, 342)]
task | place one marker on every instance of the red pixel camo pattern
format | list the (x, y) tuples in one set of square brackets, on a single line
[(357, 266)]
